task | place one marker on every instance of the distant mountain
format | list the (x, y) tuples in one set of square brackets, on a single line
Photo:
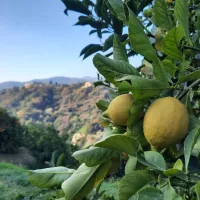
[(53, 80), (10, 84)]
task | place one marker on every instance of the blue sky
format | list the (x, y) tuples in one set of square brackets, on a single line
[(38, 41)]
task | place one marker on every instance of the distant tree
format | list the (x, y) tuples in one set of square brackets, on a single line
[(43, 140), (11, 133)]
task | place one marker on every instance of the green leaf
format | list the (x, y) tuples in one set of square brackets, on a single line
[(161, 16), (92, 31), (197, 190), (136, 112), (171, 172), (121, 143), (102, 105), (119, 52), (152, 159), (189, 143), (142, 4), (181, 12), (177, 169), (190, 77), (172, 41), (131, 183), (118, 8), (85, 20), (141, 88), (178, 165), (170, 67), (139, 40), (60, 194), (184, 66), (193, 120), (94, 156), (141, 44), (149, 193), (170, 193), (124, 87), (92, 50), (76, 6), (89, 48), (61, 160), (131, 164), (108, 43), (159, 72), (136, 130), (84, 180), (110, 68), (49, 177)]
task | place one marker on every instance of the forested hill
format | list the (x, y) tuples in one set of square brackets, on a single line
[(70, 108)]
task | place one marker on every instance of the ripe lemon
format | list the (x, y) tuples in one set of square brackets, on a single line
[(118, 110), (165, 122)]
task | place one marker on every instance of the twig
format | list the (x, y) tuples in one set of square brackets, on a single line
[(188, 88), (192, 48)]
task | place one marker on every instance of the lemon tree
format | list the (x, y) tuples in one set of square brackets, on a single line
[(153, 115)]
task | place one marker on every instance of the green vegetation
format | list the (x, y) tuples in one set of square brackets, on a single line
[(163, 167), (15, 186), (43, 140), (11, 133)]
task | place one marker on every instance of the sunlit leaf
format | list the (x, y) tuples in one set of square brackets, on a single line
[(121, 143), (49, 177), (141, 88), (94, 155), (83, 180)]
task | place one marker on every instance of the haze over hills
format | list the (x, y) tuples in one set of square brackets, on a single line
[(54, 80)]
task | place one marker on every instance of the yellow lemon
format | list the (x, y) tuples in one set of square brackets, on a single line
[(118, 110), (165, 122)]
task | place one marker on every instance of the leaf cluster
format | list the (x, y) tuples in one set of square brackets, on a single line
[(168, 69)]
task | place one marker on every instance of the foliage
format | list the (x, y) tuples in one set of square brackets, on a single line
[(67, 107), (11, 133), (40, 140), (14, 185), (104, 18), (173, 60), (43, 140)]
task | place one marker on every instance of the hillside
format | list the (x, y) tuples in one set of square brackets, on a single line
[(53, 80), (70, 108)]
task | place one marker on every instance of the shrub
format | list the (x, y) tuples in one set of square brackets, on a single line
[(43, 140), (11, 133)]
